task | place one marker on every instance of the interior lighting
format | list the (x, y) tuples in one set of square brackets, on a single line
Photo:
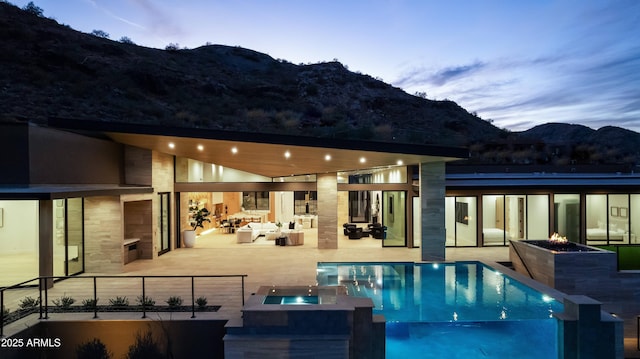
[(363, 160), (172, 145), (399, 163), (287, 154), (234, 150), (200, 147), (327, 157)]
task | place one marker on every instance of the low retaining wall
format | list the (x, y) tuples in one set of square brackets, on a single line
[(61, 338)]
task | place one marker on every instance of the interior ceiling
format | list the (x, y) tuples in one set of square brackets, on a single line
[(269, 159)]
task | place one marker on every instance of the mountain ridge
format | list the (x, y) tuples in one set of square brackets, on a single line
[(50, 70)]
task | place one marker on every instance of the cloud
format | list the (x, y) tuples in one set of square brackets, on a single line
[(420, 76), (111, 14), (160, 22)]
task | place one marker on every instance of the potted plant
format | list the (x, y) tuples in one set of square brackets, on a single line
[(199, 217), (279, 225)]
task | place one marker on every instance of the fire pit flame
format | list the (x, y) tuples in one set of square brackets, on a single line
[(556, 238)]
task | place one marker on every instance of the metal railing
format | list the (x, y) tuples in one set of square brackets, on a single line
[(43, 289)]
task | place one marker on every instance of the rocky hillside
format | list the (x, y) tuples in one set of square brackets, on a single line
[(50, 70)]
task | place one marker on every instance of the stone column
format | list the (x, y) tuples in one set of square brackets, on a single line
[(103, 242), (432, 195), (327, 210), (45, 239)]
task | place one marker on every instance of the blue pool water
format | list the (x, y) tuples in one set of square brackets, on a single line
[(452, 310)]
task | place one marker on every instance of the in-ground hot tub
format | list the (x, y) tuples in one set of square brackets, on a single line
[(569, 267)]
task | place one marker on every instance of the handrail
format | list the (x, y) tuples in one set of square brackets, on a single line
[(43, 287)]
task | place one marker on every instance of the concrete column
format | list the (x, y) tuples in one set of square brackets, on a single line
[(432, 195), (327, 210), (45, 238)]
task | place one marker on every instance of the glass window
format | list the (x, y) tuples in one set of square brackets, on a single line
[(59, 240), (537, 218), (634, 222), (19, 244), (596, 217), (461, 222), (514, 216), (493, 221), (255, 201), (567, 216), (75, 235), (305, 202), (618, 218)]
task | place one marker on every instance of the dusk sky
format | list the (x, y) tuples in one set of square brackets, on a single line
[(519, 63)]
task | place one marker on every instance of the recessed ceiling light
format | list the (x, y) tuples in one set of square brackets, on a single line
[(287, 154), (399, 162), (200, 147), (234, 150), (363, 160), (172, 145), (327, 157)]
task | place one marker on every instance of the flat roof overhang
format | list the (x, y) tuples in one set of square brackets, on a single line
[(542, 181), (264, 153), (57, 191)]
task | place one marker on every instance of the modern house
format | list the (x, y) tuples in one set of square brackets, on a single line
[(90, 197), (82, 196)]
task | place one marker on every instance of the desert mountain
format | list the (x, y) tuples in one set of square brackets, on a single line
[(48, 70)]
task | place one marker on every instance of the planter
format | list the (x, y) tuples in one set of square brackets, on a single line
[(189, 238)]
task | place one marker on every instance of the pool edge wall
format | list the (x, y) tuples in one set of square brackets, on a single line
[(346, 329)]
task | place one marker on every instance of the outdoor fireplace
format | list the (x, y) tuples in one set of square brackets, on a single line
[(562, 264)]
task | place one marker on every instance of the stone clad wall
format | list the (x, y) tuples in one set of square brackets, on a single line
[(327, 210), (103, 235), (432, 199)]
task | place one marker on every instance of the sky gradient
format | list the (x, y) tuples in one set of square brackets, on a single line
[(517, 63)]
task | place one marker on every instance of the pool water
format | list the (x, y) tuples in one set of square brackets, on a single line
[(451, 310), (291, 299)]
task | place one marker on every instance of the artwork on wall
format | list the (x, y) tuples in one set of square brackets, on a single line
[(623, 212), (1, 217), (614, 211)]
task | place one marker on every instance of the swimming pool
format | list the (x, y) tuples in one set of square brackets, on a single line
[(451, 310)]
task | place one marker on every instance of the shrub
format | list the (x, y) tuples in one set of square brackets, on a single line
[(64, 302), (201, 302), (174, 302), (119, 302), (31, 8), (145, 301), (100, 33), (126, 40), (90, 303), (144, 347), (29, 303), (172, 47), (94, 349)]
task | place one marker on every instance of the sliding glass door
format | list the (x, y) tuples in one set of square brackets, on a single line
[(394, 218), (164, 223)]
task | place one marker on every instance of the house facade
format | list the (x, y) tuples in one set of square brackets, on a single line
[(80, 196)]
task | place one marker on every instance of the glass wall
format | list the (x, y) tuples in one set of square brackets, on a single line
[(493, 228), (537, 219), (68, 243), (394, 218), (634, 226), (18, 241), (567, 216), (461, 221), (164, 222), (519, 217), (609, 219), (75, 235)]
